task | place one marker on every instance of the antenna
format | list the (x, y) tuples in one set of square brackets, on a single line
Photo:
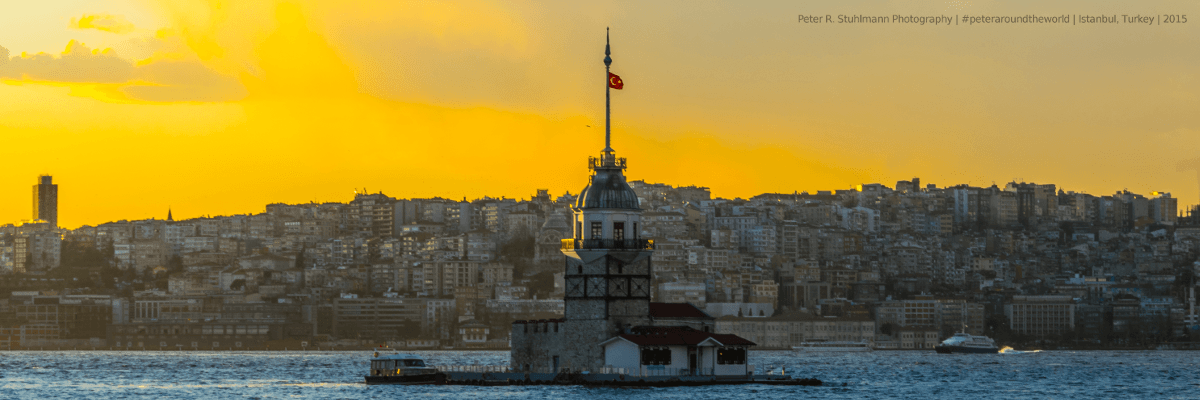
[(607, 96)]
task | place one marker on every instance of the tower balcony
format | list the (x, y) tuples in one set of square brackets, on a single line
[(607, 244), (601, 162)]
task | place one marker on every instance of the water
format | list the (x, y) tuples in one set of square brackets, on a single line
[(338, 375)]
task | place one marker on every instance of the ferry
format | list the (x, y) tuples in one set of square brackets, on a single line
[(404, 369), (966, 343), (833, 346)]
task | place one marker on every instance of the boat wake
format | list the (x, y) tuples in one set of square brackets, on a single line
[(1009, 350)]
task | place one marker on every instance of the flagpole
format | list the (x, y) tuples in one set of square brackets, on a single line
[(607, 98)]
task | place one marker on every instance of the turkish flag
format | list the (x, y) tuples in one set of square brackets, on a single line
[(615, 81)]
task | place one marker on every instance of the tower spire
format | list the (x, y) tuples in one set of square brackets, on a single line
[(607, 98)]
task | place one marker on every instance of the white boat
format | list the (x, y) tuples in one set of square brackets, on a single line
[(967, 343), (833, 346)]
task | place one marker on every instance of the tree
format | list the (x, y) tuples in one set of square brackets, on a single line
[(997, 327), (1184, 280), (542, 284), (80, 254), (947, 330), (300, 257), (174, 264), (519, 246)]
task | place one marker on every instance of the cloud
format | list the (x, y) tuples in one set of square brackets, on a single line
[(157, 80), (103, 22), (203, 56), (186, 80), (78, 63)]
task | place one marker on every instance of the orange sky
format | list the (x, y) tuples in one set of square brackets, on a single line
[(220, 107)]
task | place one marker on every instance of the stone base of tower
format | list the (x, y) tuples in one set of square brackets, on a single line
[(555, 345)]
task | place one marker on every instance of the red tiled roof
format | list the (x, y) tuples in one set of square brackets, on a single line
[(676, 310), (732, 340), (538, 321), (671, 335)]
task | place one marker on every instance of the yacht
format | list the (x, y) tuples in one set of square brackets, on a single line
[(966, 343), (407, 369), (808, 347)]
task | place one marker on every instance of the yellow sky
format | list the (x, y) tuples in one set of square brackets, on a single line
[(220, 107)]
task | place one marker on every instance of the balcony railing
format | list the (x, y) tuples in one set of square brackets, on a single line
[(598, 162), (609, 244)]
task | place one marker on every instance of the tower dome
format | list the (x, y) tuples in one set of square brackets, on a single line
[(608, 189)]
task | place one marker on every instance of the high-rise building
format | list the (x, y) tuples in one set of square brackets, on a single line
[(45, 200)]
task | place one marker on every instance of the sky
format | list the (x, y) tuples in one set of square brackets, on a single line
[(218, 107)]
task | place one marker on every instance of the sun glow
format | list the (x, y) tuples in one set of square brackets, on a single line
[(220, 107)]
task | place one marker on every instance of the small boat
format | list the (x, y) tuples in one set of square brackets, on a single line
[(966, 343), (833, 346), (404, 369)]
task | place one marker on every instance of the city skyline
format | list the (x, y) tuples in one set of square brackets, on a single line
[(223, 109), (1181, 209), (317, 198)]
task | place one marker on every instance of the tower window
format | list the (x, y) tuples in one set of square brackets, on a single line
[(578, 230), (597, 230), (635, 231), (618, 231)]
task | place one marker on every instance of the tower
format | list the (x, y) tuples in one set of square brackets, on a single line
[(608, 267), (45, 200)]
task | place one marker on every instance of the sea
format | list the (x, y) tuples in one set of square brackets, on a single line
[(339, 375)]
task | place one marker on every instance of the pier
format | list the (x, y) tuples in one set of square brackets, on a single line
[(498, 375)]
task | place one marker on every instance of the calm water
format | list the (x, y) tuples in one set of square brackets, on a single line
[(338, 375)]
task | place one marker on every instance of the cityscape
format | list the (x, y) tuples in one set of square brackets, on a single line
[(900, 266), (389, 199)]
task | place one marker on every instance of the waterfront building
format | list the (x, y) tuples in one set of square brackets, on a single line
[(1041, 316)]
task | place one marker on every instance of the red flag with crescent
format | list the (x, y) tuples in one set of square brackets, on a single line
[(615, 81)]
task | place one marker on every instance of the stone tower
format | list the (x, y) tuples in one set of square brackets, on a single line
[(608, 265), (607, 274)]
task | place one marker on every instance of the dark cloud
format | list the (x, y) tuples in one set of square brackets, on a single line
[(160, 81), (77, 64), (184, 80)]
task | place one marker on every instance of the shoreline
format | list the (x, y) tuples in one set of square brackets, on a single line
[(367, 349)]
